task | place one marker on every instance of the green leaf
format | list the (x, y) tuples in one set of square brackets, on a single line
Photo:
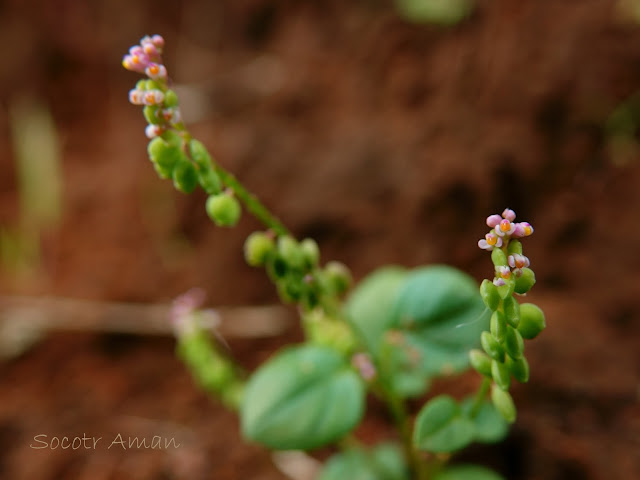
[(384, 462), (490, 426), (467, 472), (304, 397), (441, 427), (370, 307), (442, 314)]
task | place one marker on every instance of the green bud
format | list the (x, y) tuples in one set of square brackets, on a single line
[(498, 257), (506, 290), (153, 85), (504, 403), (338, 276), (532, 321), (150, 113), (257, 248), (480, 362), (501, 374), (511, 311), (223, 209), (173, 138), (185, 177), (209, 180), (513, 343), (310, 251), (170, 98), (515, 246), (200, 155), (491, 346), (331, 333), (525, 281), (290, 251), (519, 368), (489, 294), (291, 288), (141, 85), (165, 156), (498, 325)]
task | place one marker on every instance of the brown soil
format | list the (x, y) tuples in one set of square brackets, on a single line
[(388, 143)]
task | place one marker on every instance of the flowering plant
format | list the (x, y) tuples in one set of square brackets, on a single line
[(390, 337)]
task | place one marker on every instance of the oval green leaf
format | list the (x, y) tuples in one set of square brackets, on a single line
[(441, 427), (303, 398)]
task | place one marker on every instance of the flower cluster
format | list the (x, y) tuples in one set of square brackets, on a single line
[(502, 229), (161, 103)]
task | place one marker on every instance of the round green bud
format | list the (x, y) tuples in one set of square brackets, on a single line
[(150, 113), (504, 403), (223, 209), (498, 257), (489, 294), (515, 246), (185, 177), (257, 248), (153, 85), (291, 288), (338, 276), (310, 251), (170, 98), (209, 180), (492, 346), (532, 321), (511, 311), (513, 343), (498, 325), (525, 281), (501, 374), (480, 362), (290, 251), (519, 369), (165, 156)]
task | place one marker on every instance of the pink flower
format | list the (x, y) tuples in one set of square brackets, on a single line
[(503, 271), (493, 220), (505, 228), (153, 131), (509, 214), (523, 229), (490, 241), (153, 97), (518, 261), (136, 96), (156, 71)]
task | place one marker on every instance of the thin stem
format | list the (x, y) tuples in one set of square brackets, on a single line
[(250, 201), (480, 396)]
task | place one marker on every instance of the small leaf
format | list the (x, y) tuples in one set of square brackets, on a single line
[(501, 374), (303, 398), (441, 427), (504, 403), (490, 426), (467, 472), (385, 462)]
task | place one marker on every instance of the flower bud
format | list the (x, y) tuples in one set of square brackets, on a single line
[(210, 181), (257, 247), (170, 98), (489, 294), (173, 138), (338, 276), (515, 246), (525, 281), (492, 346), (511, 311), (519, 369), (498, 326), (223, 209), (290, 251), (498, 257), (513, 343), (310, 251), (151, 115), (532, 321), (164, 156), (504, 403), (501, 374), (185, 177), (480, 362)]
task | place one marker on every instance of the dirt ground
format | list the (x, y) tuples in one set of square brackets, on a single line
[(386, 141)]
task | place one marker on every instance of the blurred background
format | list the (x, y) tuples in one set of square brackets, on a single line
[(386, 130)]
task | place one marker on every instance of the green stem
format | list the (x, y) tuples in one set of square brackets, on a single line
[(480, 396), (250, 201)]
